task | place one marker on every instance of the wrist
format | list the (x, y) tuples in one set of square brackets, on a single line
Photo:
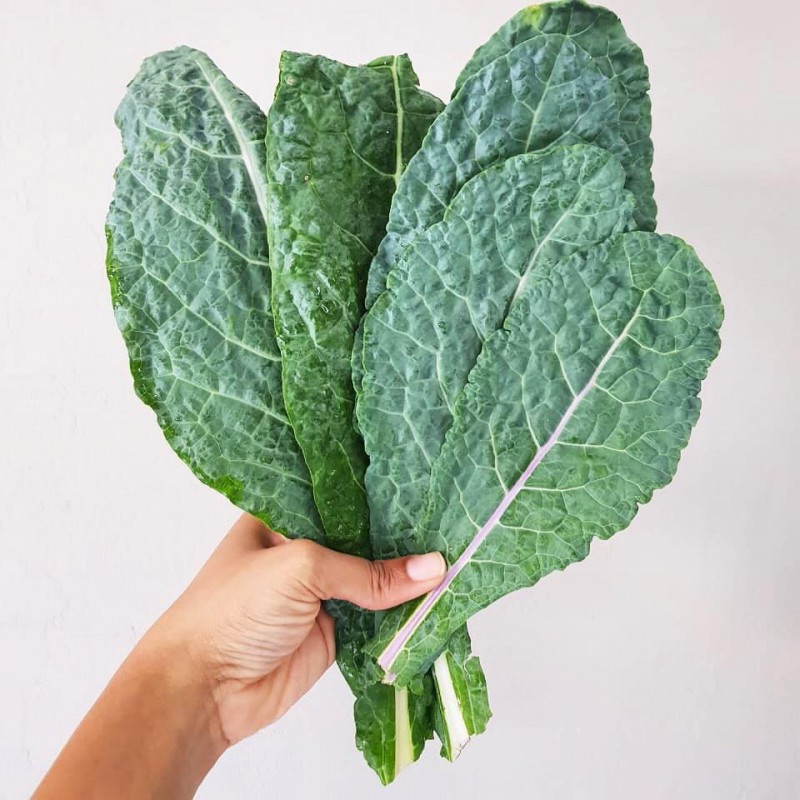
[(173, 671)]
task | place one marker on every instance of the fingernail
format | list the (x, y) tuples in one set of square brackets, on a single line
[(424, 568)]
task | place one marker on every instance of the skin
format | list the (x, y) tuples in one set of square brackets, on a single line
[(239, 647)]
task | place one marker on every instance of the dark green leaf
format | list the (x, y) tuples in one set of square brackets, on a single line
[(454, 286), (599, 33), (187, 261), (337, 143), (576, 411), (546, 90)]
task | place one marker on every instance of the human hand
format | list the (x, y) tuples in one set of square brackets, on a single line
[(245, 640), (252, 626)]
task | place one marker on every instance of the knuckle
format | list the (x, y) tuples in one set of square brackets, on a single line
[(306, 557), (382, 580)]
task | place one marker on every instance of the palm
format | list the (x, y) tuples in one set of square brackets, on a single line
[(276, 641), (254, 698)]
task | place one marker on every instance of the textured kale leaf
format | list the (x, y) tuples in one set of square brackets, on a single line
[(575, 412), (546, 90), (187, 262), (338, 137), (543, 91), (598, 32), (454, 286), (535, 92), (338, 140)]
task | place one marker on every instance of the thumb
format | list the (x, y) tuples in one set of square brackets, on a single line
[(375, 585)]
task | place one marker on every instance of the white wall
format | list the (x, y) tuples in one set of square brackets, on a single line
[(667, 665)]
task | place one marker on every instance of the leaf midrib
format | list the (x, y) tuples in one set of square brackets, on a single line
[(259, 187)]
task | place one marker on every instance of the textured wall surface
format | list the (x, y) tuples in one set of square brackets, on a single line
[(664, 666)]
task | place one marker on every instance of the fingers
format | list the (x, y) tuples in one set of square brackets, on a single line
[(375, 585)]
